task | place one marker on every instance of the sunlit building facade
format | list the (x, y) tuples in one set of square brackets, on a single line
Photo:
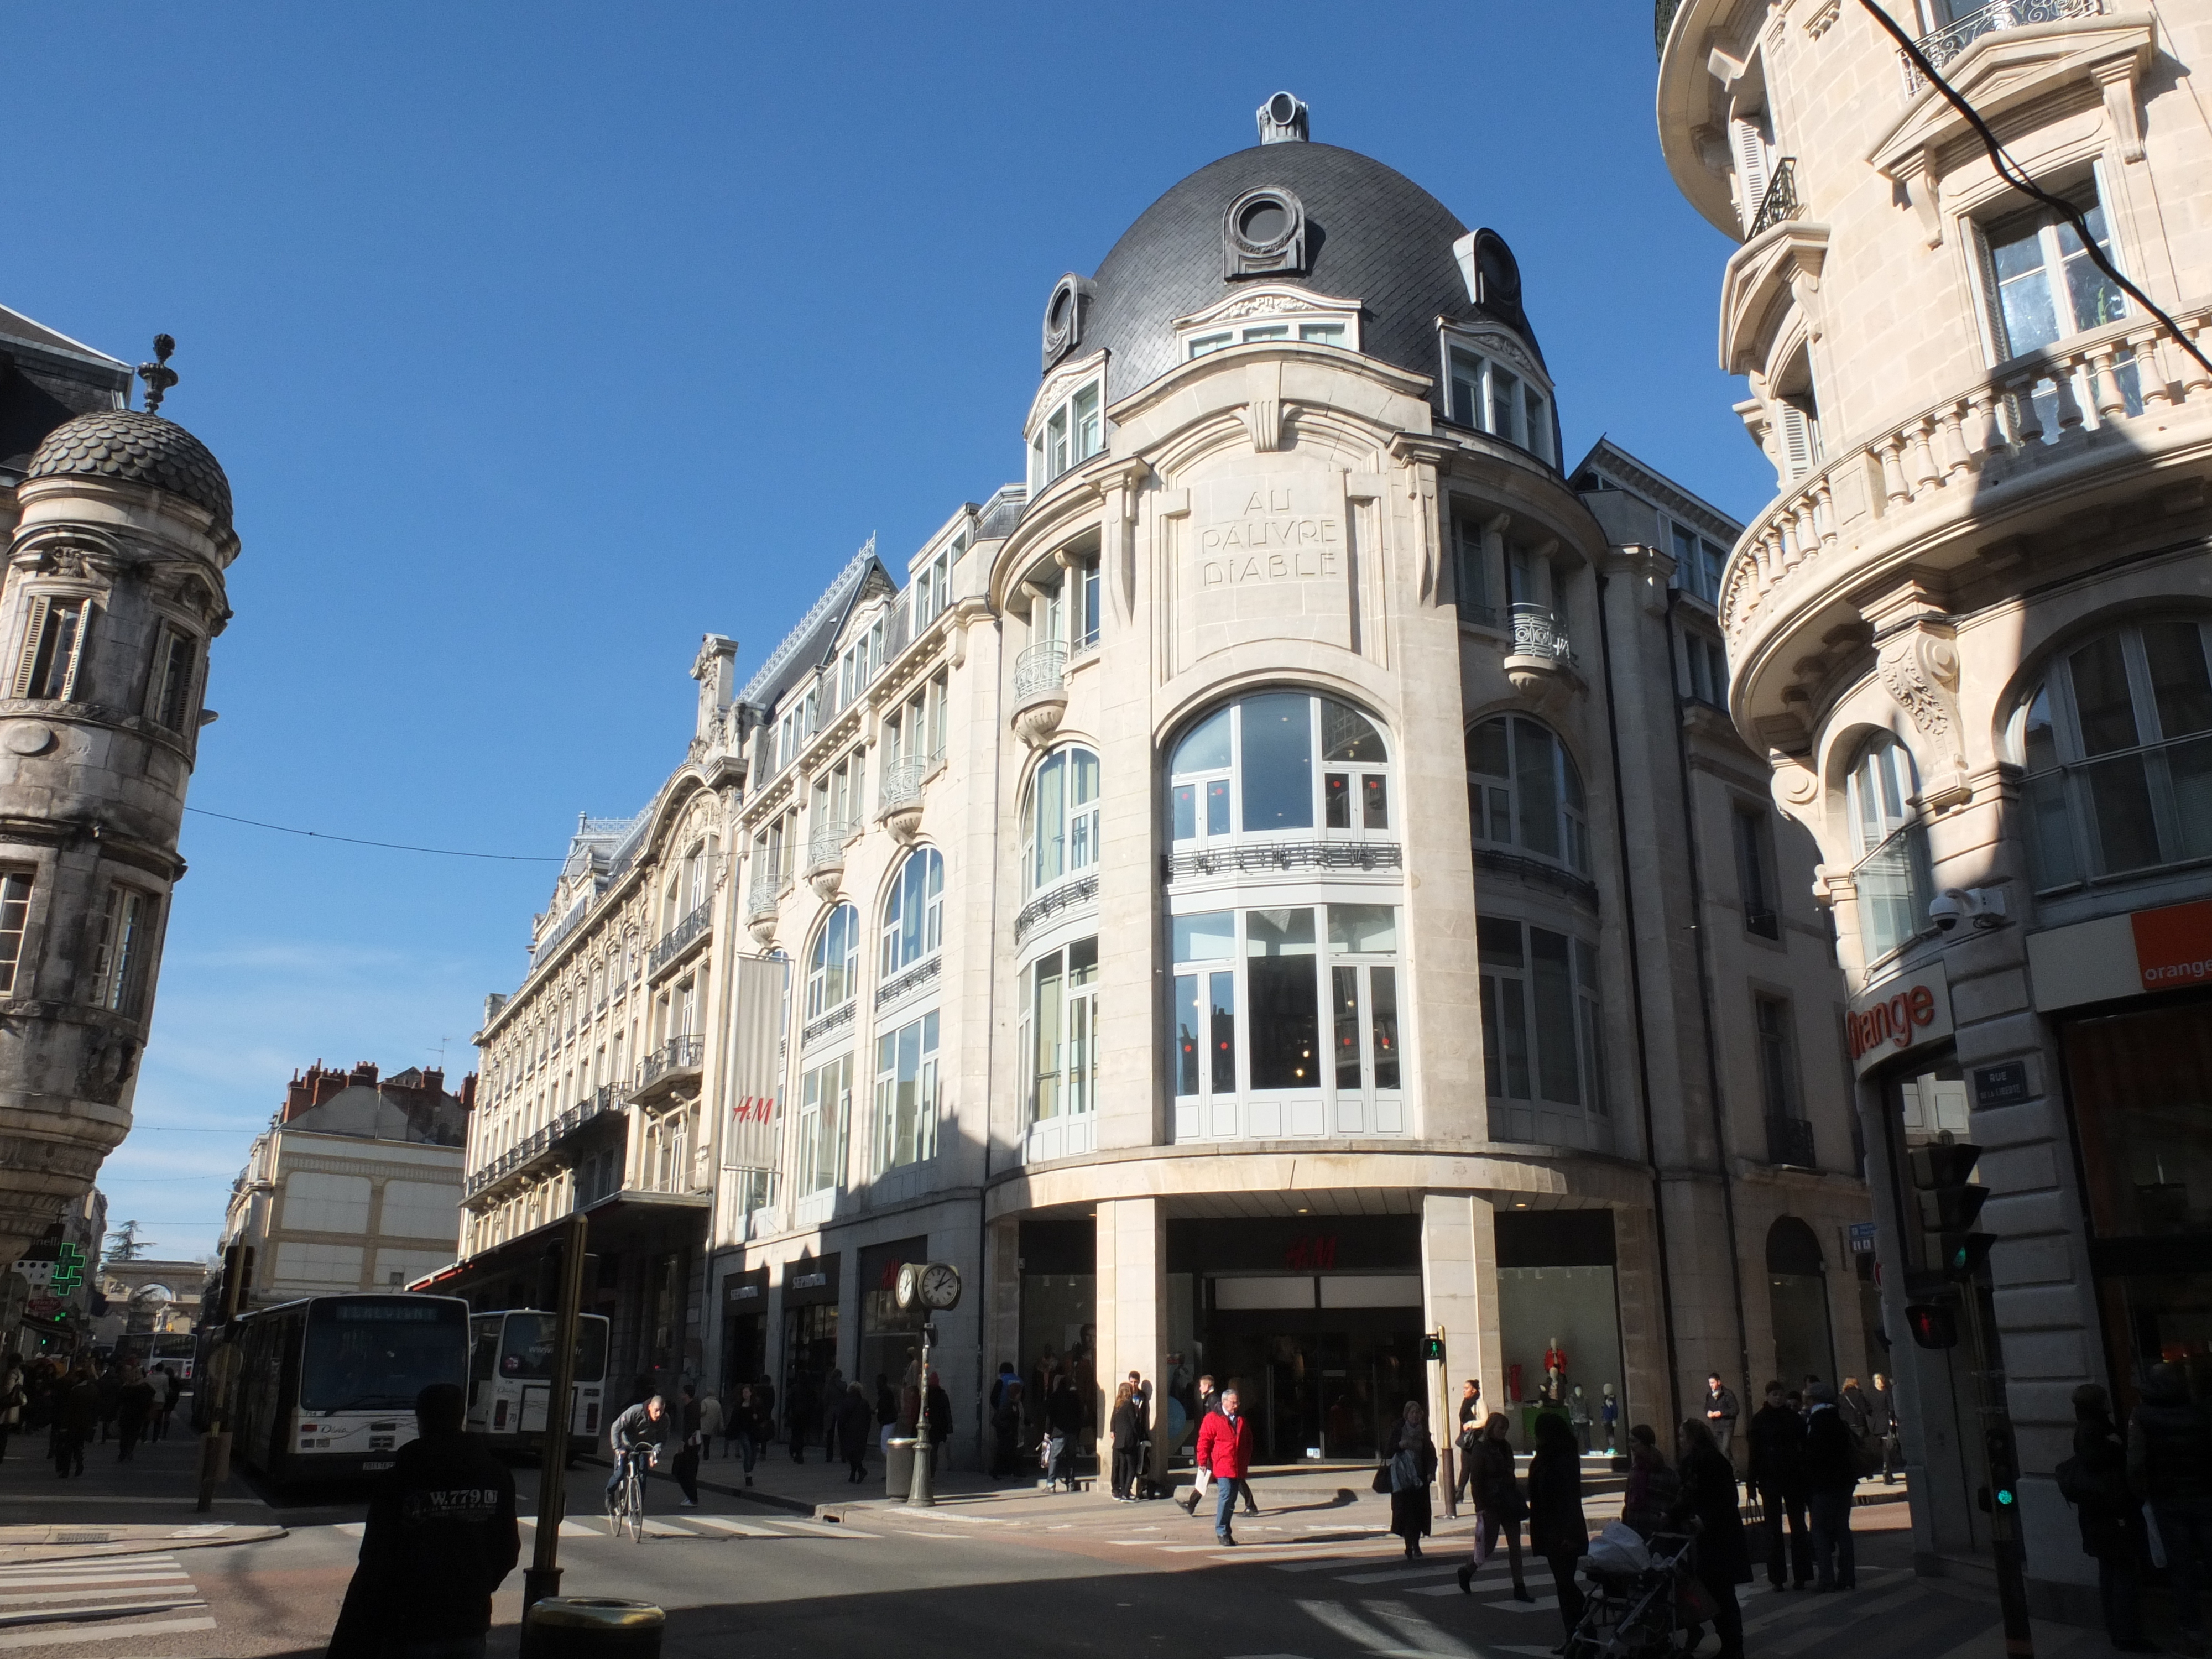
[(1273, 883)]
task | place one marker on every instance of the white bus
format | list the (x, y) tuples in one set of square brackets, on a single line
[(511, 1377), (326, 1387)]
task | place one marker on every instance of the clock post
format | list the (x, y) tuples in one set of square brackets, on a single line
[(935, 1285)]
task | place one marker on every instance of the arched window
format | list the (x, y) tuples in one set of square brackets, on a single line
[(1060, 818), (1892, 874), (1523, 790), (1279, 761), (914, 914), (2118, 745), (832, 968)]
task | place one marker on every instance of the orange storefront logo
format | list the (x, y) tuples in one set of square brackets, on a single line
[(2173, 946)]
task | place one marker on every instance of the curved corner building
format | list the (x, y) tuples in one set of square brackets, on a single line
[(1971, 635), (1273, 884), (120, 533)]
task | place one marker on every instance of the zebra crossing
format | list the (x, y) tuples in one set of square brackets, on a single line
[(98, 1598), (682, 1524)]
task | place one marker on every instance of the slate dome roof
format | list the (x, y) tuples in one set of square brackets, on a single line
[(135, 448), (1372, 235)]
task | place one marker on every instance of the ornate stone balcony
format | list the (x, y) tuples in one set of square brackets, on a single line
[(676, 1062), (1040, 691), (899, 800), (1538, 664), (543, 1147), (2074, 430), (825, 856)]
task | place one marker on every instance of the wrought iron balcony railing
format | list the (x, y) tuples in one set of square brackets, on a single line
[(1040, 670), (1780, 200), (1940, 46), (684, 934), (1536, 633), (1789, 1140)]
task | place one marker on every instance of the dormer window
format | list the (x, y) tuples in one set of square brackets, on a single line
[(1074, 432), (1490, 396), (1269, 316)]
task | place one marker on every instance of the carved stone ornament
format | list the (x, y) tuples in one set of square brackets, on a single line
[(762, 928), (1919, 668), (1796, 785)]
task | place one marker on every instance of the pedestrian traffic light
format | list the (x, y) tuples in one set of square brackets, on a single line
[(1932, 1326), (2004, 1475), (1949, 1204), (1432, 1348)]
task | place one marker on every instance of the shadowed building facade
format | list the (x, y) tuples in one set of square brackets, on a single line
[(120, 533), (1972, 635)]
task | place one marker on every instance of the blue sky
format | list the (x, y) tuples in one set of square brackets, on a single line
[(537, 340)]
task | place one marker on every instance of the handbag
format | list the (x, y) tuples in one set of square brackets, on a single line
[(2151, 1538), (1382, 1482)]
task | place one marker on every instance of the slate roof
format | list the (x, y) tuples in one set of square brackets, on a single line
[(136, 448), (1372, 235), (802, 649)]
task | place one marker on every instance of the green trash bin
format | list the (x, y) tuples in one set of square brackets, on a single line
[(591, 1627)]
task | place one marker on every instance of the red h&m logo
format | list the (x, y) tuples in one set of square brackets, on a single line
[(1314, 1253), (754, 1108)]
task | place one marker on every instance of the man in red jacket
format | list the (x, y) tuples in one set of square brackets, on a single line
[(1225, 1451)]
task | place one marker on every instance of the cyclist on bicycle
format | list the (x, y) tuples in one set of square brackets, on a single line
[(643, 1429)]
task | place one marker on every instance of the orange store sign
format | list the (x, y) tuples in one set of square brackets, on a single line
[(2173, 946), (1896, 1015)]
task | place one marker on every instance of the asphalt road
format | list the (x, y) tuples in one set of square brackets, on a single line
[(1315, 1579)]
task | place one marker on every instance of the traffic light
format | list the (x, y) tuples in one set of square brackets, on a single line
[(1949, 1204), (2004, 1478), (1932, 1326), (1432, 1348)]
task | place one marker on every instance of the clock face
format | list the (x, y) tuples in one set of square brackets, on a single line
[(907, 1276), (940, 1285)]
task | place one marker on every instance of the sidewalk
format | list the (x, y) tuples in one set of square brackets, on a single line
[(119, 1508)]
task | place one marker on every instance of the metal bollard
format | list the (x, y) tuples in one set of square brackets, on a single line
[(591, 1627)]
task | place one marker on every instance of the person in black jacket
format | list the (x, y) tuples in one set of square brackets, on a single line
[(1724, 1562), (2170, 1464), (2095, 1481), (856, 1427), (1778, 1475), (1831, 1472), (441, 1538), (1557, 1530)]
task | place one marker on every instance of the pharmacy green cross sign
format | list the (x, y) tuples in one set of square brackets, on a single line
[(69, 1270)]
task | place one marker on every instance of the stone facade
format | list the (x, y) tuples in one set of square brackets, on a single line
[(1274, 884), (120, 533), (1969, 634)]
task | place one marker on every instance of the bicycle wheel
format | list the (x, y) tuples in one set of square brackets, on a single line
[(615, 1510), (633, 1493)]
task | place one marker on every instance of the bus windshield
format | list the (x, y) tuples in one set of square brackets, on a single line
[(527, 1350), (376, 1353)]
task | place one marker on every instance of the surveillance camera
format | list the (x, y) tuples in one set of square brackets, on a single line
[(1984, 906)]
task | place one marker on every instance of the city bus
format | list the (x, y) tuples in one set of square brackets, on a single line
[(511, 1377), (325, 1387)]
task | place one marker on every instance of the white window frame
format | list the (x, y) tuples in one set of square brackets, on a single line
[(830, 985), (892, 956), (51, 609), (1269, 315), (1069, 430), (1078, 828), (119, 972), (1072, 1071), (823, 1125), (1468, 362), (919, 1112), (1356, 775), (1485, 788)]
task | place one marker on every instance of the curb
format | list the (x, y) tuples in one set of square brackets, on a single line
[(13, 1552)]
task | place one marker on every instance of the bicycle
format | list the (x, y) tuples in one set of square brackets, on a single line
[(626, 1503)]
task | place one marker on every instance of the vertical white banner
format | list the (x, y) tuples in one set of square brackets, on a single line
[(753, 1099)]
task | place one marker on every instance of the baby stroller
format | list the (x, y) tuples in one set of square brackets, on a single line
[(1643, 1602)]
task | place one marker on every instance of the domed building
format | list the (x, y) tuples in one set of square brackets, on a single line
[(119, 531), (1272, 886)]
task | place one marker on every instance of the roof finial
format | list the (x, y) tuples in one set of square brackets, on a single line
[(158, 375), (1283, 120)]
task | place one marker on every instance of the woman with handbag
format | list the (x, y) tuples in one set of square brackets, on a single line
[(1557, 1530), (1412, 1464), (1499, 1508)]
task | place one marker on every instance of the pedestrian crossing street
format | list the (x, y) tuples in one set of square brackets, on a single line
[(98, 1598), (681, 1524)]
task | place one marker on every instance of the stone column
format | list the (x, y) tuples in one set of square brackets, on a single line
[(1458, 1292), (1132, 1300)]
